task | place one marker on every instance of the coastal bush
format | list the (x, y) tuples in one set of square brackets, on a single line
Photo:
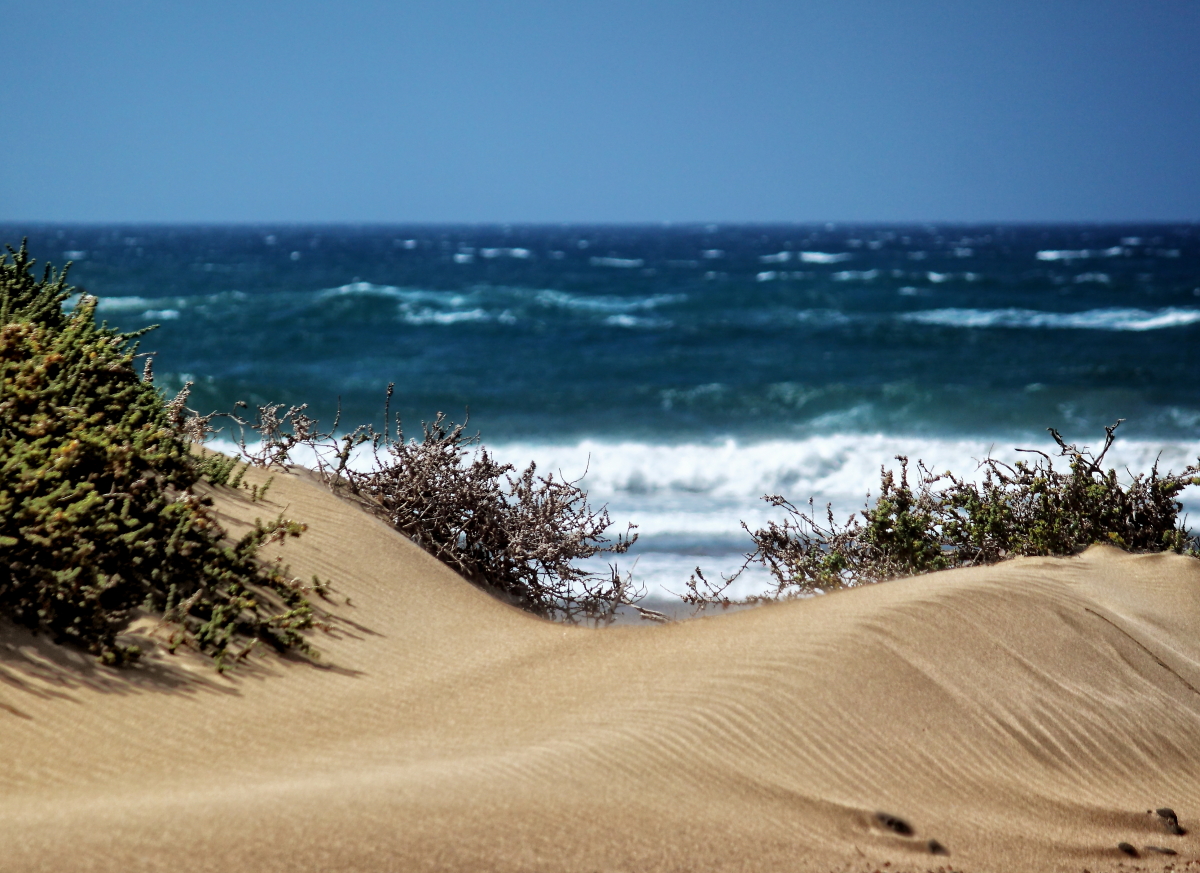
[(98, 515), (518, 535), (944, 521)]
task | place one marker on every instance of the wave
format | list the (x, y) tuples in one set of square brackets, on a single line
[(1079, 254), (824, 257), (689, 500), (702, 487), (604, 302), (432, 316), (1092, 319), (624, 320), (856, 275)]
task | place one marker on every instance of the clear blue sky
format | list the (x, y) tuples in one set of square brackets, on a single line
[(531, 111)]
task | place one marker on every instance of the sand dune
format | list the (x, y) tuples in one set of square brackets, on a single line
[(1025, 716)]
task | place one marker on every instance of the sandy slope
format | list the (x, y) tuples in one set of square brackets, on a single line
[(1025, 716)]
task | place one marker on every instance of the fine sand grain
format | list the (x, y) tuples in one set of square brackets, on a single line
[(1028, 716)]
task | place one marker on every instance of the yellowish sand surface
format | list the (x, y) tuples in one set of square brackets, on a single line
[(1026, 716)]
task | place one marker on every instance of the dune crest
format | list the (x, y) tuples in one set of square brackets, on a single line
[(1026, 716)]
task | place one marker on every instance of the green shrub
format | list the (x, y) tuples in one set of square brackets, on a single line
[(944, 521), (98, 517)]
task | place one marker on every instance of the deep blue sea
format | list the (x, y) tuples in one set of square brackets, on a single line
[(687, 369)]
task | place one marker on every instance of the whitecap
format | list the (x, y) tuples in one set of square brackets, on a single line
[(362, 289), (1092, 319), (605, 303), (824, 257), (779, 258), (855, 275), (125, 304), (624, 320), (1063, 255), (433, 316), (518, 253)]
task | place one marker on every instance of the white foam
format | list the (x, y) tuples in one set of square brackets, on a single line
[(1092, 319), (433, 316), (623, 320), (855, 275), (129, 304), (520, 254), (364, 289), (766, 276), (780, 258), (689, 500), (605, 303), (1063, 255), (825, 257)]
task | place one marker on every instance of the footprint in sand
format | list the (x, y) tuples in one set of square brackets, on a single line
[(1170, 820), (895, 824)]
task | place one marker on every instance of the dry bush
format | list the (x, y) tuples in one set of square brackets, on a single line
[(519, 535), (944, 521)]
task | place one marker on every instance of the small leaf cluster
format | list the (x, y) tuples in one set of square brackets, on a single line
[(98, 515)]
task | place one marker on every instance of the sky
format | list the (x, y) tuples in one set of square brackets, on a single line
[(616, 111)]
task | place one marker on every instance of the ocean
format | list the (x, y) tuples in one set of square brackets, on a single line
[(683, 371)]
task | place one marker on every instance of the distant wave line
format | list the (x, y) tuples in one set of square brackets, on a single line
[(1091, 319)]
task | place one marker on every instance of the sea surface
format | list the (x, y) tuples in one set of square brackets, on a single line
[(683, 371)]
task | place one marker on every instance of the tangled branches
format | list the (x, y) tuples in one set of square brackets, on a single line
[(517, 534), (944, 521)]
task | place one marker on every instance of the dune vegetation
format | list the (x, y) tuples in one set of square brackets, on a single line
[(101, 519)]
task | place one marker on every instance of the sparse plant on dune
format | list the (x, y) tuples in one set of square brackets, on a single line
[(943, 521), (517, 534), (98, 516)]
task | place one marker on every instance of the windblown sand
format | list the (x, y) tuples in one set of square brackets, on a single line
[(1025, 716)]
